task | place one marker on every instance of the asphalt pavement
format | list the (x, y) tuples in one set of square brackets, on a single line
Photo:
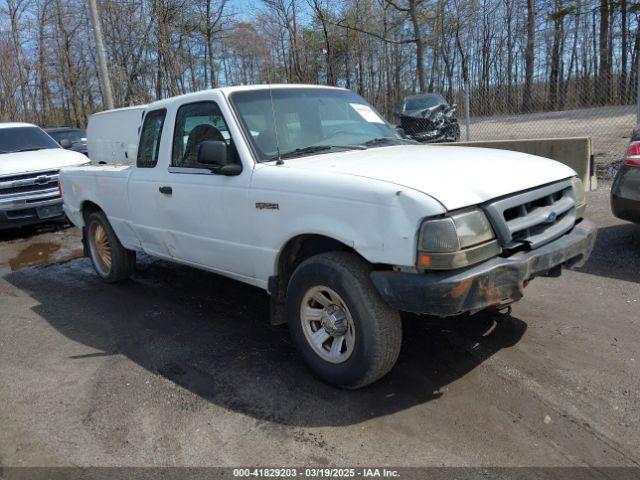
[(181, 367)]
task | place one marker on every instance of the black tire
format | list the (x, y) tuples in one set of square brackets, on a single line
[(456, 132), (377, 327), (453, 132), (122, 260)]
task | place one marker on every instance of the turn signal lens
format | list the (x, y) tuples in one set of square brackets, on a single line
[(633, 155), (425, 260)]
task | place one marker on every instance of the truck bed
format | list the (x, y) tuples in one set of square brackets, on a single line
[(104, 185)]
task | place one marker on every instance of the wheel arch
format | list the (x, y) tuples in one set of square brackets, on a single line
[(87, 207), (295, 251)]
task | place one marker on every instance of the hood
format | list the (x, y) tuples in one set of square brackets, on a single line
[(455, 176), (424, 112), (39, 160)]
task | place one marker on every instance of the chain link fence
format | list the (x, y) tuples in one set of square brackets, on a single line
[(608, 126), (571, 96)]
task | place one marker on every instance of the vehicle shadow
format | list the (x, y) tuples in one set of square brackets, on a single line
[(212, 337), (616, 253)]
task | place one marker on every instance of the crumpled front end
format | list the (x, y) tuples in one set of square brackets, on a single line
[(496, 282), (431, 125)]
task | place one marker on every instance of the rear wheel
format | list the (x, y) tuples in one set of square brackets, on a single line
[(111, 261), (346, 334)]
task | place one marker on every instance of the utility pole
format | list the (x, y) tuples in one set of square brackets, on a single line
[(105, 82)]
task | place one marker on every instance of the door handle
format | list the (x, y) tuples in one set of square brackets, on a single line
[(166, 190)]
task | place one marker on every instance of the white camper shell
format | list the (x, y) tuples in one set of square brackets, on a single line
[(112, 135)]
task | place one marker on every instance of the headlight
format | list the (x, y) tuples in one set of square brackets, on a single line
[(473, 228), (581, 199), (456, 241)]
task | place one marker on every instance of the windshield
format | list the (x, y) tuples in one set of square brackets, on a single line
[(75, 136), (304, 121), (423, 101), (24, 139)]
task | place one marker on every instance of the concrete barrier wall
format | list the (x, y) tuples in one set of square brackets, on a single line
[(574, 152)]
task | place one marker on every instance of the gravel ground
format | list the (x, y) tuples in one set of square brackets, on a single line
[(180, 367), (608, 127)]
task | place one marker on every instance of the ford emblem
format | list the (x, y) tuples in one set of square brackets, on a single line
[(552, 217)]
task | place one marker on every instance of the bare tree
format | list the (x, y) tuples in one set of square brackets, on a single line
[(559, 54)]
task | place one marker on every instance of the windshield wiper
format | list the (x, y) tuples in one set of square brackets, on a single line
[(381, 141), (314, 149), (30, 149)]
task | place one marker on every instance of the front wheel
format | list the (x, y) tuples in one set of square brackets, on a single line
[(346, 334), (453, 133), (111, 261)]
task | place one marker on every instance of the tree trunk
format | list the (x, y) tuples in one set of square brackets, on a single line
[(623, 48), (603, 87), (509, 68), (529, 56), (413, 15), (554, 74), (15, 11)]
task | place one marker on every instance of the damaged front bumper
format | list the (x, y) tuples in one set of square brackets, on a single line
[(498, 281)]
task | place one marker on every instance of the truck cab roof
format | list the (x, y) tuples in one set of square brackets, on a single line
[(239, 88)]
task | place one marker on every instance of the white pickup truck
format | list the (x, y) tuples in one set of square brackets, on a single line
[(308, 193)]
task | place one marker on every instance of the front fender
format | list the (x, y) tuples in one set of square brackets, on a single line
[(379, 220)]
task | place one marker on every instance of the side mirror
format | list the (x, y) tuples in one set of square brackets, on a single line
[(212, 152), (65, 143)]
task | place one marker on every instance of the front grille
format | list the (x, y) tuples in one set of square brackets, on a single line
[(23, 176), (28, 188), (16, 186), (535, 217), (414, 126)]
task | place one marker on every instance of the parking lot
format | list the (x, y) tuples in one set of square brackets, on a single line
[(181, 367), (608, 127)]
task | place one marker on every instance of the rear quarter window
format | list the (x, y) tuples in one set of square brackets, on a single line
[(150, 137)]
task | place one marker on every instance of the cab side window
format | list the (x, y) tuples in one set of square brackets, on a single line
[(149, 146), (196, 123)]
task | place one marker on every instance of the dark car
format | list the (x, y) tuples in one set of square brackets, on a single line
[(70, 138), (428, 118), (625, 191)]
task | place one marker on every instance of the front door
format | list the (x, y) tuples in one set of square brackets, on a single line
[(206, 213)]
